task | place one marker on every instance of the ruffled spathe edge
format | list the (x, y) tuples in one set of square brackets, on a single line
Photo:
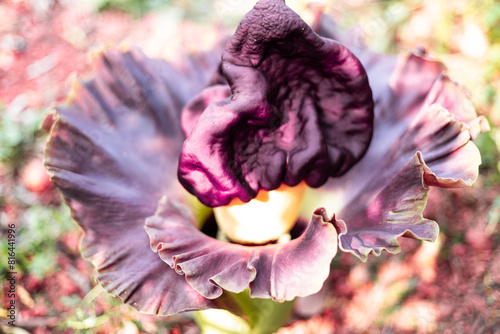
[(424, 126), (108, 152), (281, 272)]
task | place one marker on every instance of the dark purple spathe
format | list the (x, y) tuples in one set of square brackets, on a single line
[(298, 107), (281, 272), (113, 153), (423, 131)]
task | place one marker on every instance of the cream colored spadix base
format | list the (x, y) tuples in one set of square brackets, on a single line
[(265, 218)]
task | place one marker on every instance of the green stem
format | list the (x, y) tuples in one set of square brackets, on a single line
[(261, 316)]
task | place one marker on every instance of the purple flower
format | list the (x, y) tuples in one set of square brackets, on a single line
[(284, 108), (295, 106)]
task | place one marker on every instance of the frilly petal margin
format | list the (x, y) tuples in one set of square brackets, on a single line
[(111, 152), (424, 124), (395, 212), (281, 272), (390, 199), (300, 109)]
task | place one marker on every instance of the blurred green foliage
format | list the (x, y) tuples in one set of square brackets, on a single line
[(195, 10), (19, 128), (137, 8), (37, 232), (84, 318)]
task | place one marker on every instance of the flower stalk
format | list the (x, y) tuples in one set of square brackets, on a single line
[(260, 316)]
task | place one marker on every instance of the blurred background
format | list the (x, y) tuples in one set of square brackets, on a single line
[(451, 286)]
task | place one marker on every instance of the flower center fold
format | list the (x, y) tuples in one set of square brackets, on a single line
[(267, 217), (286, 106)]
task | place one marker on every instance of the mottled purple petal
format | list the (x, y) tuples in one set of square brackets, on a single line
[(300, 108), (395, 211), (424, 123), (281, 272), (113, 153)]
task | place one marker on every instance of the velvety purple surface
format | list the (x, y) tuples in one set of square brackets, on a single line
[(424, 123), (281, 272), (113, 153), (298, 107)]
